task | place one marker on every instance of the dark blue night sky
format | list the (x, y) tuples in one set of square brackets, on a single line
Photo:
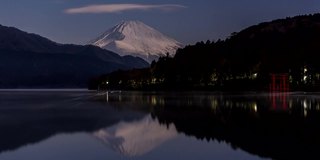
[(188, 21)]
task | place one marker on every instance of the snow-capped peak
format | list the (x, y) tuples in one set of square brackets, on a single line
[(137, 39)]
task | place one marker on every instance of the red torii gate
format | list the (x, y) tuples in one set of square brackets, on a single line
[(279, 82)]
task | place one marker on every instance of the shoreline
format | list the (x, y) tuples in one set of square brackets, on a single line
[(46, 90)]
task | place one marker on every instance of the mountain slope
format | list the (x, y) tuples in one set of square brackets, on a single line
[(137, 39), (31, 61)]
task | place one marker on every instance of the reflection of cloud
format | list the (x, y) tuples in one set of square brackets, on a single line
[(116, 8), (136, 138)]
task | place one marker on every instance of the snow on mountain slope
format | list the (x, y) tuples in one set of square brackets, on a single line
[(137, 39)]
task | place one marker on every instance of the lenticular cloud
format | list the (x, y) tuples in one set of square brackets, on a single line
[(117, 8)]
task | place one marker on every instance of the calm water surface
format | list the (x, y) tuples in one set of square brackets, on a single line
[(84, 125)]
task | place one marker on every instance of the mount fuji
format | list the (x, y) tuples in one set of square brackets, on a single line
[(137, 39)]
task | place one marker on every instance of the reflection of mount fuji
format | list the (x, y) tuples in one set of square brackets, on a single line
[(136, 138)]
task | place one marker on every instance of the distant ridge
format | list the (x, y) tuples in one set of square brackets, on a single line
[(31, 61)]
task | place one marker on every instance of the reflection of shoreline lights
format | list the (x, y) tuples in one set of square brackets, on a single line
[(305, 104), (305, 107), (153, 100), (156, 100), (290, 104), (275, 101), (305, 112), (255, 107), (215, 104)]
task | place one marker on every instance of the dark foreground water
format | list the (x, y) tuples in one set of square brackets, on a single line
[(81, 125)]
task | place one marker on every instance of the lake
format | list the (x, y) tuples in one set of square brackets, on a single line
[(84, 125)]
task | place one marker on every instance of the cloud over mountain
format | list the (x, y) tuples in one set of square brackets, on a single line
[(117, 8)]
